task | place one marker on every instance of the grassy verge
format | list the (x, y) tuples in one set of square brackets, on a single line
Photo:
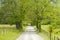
[(9, 33), (45, 36)]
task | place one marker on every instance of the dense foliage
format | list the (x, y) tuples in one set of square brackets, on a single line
[(37, 12)]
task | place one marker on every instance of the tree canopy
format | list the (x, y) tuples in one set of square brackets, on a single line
[(37, 11)]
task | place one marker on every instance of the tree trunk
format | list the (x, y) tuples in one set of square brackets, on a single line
[(19, 25), (38, 25), (50, 36)]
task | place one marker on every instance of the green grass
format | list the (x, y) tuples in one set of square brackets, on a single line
[(45, 36), (12, 35), (9, 33), (55, 31), (45, 33)]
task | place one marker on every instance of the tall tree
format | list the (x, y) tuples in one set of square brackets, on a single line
[(13, 12)]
